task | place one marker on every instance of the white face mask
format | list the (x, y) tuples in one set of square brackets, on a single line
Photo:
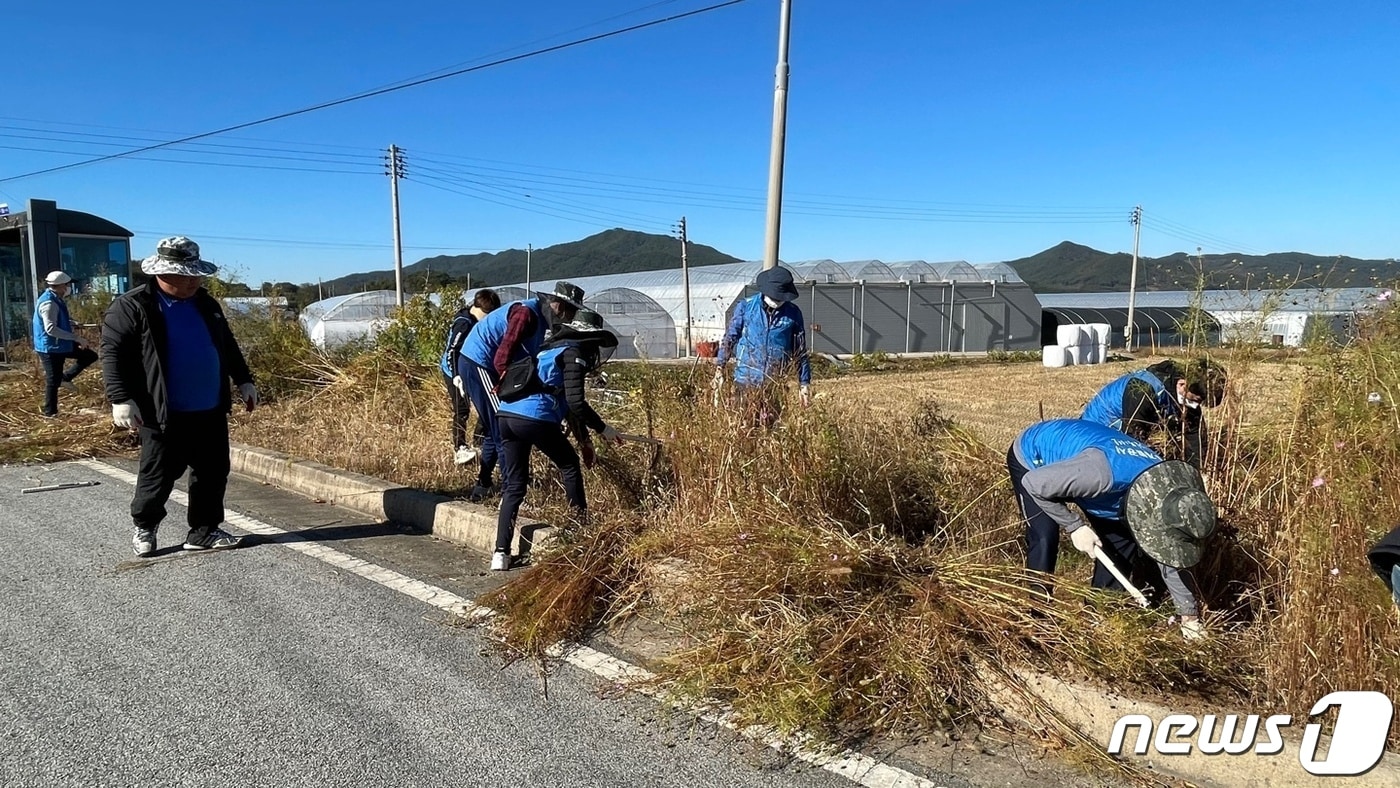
[(771, 303)]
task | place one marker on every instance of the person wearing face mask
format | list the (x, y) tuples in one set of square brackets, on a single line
[(1162, 397), (55, 342), (767, 339)]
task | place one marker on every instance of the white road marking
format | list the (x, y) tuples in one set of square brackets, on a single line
[(860, 769)]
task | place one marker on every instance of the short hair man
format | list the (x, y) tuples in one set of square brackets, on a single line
[(55, 342), (168, 356), (484, 302)]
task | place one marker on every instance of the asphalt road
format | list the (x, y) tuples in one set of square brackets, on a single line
[(264, 666)]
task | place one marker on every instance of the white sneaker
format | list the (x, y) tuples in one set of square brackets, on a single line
[(500, 562), (464, 455)]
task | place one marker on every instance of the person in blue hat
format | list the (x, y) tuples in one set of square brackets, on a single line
[(767, 339)]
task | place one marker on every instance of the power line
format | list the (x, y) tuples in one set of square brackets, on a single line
[(381, 91), (200, 163)]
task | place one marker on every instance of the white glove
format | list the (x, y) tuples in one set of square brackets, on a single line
[(459, 385), (805, 392), (1085, 540), (249, 393), (611, 435), (81, 343), (126, 415), (1191, 628)]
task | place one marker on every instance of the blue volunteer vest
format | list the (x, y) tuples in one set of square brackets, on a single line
[(1052, 441), (766, 347), (548, 405), (1107, 406), (43, 343), (487, 334)]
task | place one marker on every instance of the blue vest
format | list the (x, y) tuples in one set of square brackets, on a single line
[(1052, 441), (43, 343), (766, 347), (1107, 406), (548, 405), (461, 326), (487, 334)]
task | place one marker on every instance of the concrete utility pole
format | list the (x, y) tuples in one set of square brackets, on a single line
[(395, 170), (1132, 281), (775, 158), (685, 280), (528, 249)]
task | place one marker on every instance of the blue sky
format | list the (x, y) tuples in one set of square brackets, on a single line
[(981, 130)]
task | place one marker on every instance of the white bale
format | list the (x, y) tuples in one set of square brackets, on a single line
[(1102, 333), (1077, 354), (1090, 353), (1070, 335), (1103, 353), (1054, 356)]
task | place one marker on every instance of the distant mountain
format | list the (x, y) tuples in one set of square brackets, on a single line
[(609, 252), (1072, 268), (1064, 268)]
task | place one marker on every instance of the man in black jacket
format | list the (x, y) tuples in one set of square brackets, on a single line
[(167, 358)]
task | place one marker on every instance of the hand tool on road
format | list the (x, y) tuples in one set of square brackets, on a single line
[(53, 487), (1103, 558)]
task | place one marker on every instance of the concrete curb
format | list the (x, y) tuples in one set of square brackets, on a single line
[(461, 522), (1091, 709)]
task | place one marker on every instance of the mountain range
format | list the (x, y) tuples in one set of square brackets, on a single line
[(1066, 267)]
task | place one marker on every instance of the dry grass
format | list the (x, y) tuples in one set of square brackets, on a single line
[(857, 569)]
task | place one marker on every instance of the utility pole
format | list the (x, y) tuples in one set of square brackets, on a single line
[(685, 279), (529, 249), (775, 157), (395, 170), (1132, 281)]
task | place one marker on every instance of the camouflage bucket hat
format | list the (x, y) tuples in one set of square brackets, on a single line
[(1170, 514), (177, 256)]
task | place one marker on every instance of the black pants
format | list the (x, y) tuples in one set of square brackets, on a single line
[(1043, 536), (54, 373), (197, 441), (518, 437), (461, 414)]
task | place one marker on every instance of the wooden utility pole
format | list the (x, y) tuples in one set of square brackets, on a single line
[(1132, 281), (395, 171)]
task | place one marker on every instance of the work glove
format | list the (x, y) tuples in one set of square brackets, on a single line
[(126, 415), (1085, 540), (611, 435), (805, 392), (249, 393), (81, 343), (586, 451), (1191, 628), (458, 384)]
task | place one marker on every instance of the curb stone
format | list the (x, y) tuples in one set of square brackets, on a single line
[(463, 523), (1092, 709)]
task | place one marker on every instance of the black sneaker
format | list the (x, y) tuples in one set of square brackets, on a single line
[(210, 539), (481, 492)]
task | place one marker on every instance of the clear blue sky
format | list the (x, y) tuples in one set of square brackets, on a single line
[(981, 130)]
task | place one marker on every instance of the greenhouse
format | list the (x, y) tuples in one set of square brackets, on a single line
[(340, 320), (862, 306)]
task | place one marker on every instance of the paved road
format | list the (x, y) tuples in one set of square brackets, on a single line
[(263, 666)]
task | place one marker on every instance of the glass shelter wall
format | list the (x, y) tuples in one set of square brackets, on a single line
[(96, 263)]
